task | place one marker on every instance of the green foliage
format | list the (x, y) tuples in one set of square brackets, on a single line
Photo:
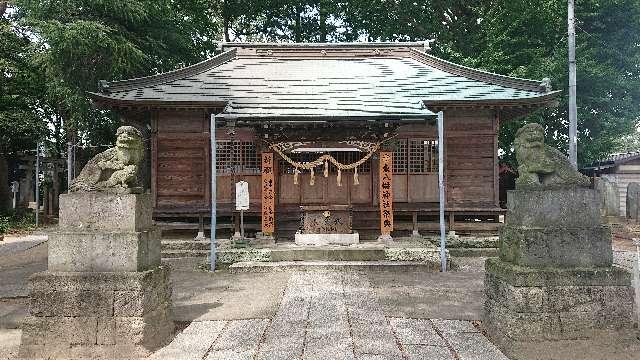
[(20, 125), (82, 41), (17, 222), (528, 39)]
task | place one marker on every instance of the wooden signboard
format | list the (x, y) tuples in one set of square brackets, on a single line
[(268, 194), (386, 192)]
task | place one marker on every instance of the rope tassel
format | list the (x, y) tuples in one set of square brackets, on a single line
[(295, 176), (312, 181), (355, 177), (339, 178), (326, 168)]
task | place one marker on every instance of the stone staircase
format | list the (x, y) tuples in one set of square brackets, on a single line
[(185, 248)]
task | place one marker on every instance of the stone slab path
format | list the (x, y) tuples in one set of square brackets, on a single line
[(330, 315)]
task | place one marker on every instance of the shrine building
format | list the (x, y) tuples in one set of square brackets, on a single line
[(318, 128)]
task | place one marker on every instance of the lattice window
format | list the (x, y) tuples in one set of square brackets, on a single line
[(400, 157), (423, 156), (237, 157), (225, 156), (250, 158)]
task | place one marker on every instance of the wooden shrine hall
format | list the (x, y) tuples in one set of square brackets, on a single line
[(331, 138)]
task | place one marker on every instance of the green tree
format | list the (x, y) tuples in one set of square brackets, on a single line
[(80, 42), (21, 123), (528, 39)]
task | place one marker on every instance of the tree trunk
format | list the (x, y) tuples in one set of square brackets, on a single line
[(5, 194), (225, 20), (298, 27), (323, 22)]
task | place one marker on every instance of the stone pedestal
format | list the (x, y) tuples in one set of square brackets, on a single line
[(105, 294), (554, 278)]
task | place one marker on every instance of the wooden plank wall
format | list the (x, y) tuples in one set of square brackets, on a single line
[(471, 158), (181, 160), (181, 157)]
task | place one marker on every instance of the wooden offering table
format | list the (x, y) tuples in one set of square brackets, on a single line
[(326, 225)]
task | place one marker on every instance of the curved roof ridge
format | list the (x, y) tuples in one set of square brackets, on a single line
[(276, 45), (152, 80), (480, 75)]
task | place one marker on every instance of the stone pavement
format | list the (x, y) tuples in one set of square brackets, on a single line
[(330, 315)]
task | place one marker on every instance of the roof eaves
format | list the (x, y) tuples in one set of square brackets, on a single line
[(479, 75), (148, 81), (105, 100), (542, 99)]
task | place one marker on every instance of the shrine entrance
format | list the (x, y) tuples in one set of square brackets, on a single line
[(325, 190), (324, 180)]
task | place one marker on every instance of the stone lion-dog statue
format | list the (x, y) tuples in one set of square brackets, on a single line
[(540, 166), (114, 170)]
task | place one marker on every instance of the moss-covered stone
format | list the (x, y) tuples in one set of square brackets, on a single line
[(521, 276), (230, 256)]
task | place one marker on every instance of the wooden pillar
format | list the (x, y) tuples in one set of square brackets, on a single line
[(268, 194), (385, 194)]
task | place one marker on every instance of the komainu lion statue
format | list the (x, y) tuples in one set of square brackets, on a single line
[(114, 170), (541, 166)]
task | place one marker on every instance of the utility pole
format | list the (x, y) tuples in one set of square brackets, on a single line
[(573, 109), (37, 184)]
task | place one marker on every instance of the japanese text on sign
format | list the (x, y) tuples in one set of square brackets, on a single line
[(268, 194), (386, 193)]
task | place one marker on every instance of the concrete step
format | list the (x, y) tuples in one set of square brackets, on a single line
[(184, 253), (168, 245), (252, 266), (328, 254)]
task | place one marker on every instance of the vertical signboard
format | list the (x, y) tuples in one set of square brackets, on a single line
[(386, 192), (268, 194)]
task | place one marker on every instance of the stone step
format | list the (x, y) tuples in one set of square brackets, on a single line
[(252, 266), (184, 253), (328, 254), (168, 245)]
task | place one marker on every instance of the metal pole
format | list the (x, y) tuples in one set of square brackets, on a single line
[(242, 224), (573, 110), (37, 184), (212, 131), (443, 244), (69, 164)]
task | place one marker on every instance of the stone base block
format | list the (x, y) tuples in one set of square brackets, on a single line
[(87, 211), (556, 246), (525, 304), (100, 251), (564, 208), (327, 239), (75, 315)]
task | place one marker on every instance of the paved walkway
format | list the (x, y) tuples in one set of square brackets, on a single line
[(330, 315)]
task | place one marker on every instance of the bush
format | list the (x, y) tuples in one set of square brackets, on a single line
[(17, 221)]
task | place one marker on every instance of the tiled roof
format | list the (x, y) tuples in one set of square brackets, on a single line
[(259, 81), (614, 160)]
